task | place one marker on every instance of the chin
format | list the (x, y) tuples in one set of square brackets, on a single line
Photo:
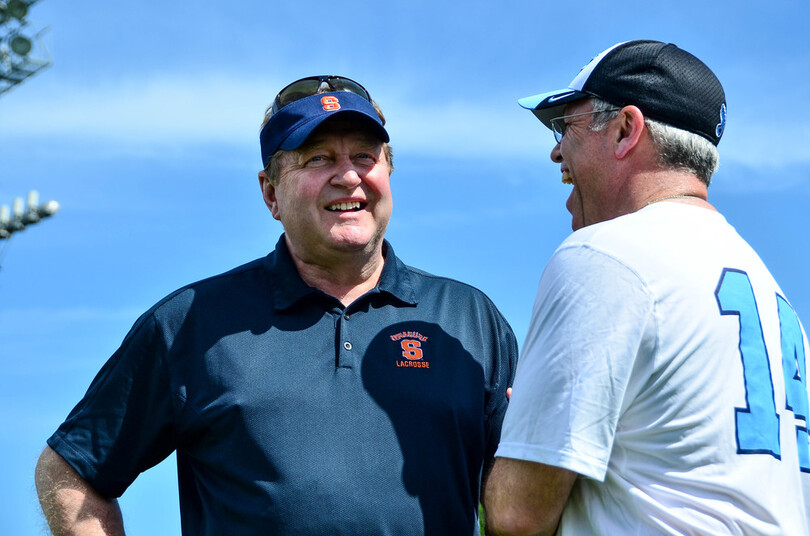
[(354, 241), (357, 237)]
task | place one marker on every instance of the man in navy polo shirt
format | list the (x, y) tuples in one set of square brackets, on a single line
[(327, 388)]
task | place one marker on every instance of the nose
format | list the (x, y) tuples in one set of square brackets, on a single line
[(346, 175), (556, 154)]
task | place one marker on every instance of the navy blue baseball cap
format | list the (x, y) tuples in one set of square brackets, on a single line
[(290, 125), (667, 84)]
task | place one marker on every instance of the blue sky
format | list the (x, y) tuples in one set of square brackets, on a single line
[(145, 130)]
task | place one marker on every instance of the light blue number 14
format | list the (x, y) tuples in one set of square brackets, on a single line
[(758, 423)]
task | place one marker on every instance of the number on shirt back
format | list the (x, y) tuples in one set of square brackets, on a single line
[(758, 422)]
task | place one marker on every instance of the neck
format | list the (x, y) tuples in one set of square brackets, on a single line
[(657, 185), (346, 277), (677, 196)]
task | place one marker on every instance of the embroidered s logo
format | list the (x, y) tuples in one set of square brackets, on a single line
[(410, 342), (330, 103), (411, 349)]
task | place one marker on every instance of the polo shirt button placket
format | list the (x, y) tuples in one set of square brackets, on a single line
[(346, 358)]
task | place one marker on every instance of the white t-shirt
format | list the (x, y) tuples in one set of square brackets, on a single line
[(655, 366)]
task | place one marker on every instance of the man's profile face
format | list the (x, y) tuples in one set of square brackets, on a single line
[(581, 154), (333, 194)]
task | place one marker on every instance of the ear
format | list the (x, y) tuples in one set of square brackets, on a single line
[(269, 194), (629, 130)]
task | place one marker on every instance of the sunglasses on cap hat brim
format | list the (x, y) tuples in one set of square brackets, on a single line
[(313, 85), (302, 106)]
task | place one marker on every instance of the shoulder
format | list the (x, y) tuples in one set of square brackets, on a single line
[(431, 279), (455, 301), (422, 286), (228, 281), (219, 291), (596, 262), (429, 283), (652, 236)]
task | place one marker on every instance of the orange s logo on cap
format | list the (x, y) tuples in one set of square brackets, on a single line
[(330, 103)]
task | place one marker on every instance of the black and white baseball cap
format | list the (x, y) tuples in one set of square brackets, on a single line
[(667, 84)]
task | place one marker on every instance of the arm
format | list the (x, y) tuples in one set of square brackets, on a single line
[(525, 498), (70, 505)]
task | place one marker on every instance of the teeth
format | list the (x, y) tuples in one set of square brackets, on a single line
[(355, 205), (566, 178)]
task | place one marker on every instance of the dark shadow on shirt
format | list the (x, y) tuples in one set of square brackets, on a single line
[(433, 391)]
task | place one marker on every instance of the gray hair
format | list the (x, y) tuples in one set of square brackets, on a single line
[(677, 149)]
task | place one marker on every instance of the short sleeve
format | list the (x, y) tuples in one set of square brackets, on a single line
[(124, 423), (588, 321)]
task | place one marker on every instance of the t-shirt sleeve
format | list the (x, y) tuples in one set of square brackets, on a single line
[(588, 321), (124, 423)]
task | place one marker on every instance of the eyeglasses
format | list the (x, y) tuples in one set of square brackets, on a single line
[(559, 126), (312, 85)]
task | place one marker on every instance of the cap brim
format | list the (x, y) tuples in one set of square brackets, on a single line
[(290, 126), (300, 135), (547, 106)]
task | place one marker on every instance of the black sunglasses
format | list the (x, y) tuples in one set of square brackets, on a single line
[(312, 85)]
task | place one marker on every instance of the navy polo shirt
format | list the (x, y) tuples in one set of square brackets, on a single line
[(291, 414)]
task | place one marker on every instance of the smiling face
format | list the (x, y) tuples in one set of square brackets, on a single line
[(333, 195), (581, 155)]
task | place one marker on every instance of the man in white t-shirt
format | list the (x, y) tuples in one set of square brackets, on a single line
[(662, 387)]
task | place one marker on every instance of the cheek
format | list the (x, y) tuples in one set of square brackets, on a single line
[(379, 181), (285, 205), (297, 193)]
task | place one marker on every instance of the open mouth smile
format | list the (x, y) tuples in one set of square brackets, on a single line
[(566, 178), (353, 206)]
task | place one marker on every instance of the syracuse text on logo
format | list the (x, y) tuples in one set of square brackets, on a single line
[(411, 344)]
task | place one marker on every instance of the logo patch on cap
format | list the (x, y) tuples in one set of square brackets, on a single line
[(330, 103), (721, 126)]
